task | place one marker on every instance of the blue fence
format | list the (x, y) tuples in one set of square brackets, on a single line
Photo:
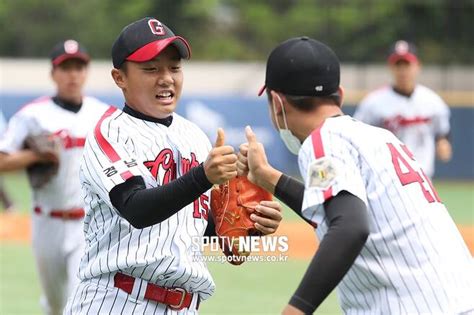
[(233, 113)]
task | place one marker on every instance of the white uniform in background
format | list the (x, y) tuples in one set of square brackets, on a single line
[(415, 260), (3, 123), (415, 120), (58, 242), (4, 198), (123, 146)]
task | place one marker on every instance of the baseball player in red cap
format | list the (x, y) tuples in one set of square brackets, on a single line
[(413, 112), (64, 120), (146, 176)]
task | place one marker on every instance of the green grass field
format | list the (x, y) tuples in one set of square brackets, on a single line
[(253, 288)]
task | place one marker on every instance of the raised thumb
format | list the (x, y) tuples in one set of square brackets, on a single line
[(220, 138), (251, 137)]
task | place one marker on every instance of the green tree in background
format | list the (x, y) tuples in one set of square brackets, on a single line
[(359, 30)]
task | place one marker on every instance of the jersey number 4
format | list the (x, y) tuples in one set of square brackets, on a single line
[(410, 175)]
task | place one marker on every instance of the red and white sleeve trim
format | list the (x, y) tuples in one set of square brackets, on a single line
[(104, 145)]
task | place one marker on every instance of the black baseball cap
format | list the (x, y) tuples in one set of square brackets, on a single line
[(302, 66), (68, 49), (143, 40), (402, 50)]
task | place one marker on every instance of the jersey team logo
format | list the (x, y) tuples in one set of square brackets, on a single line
[(165, 162), (321, 173)]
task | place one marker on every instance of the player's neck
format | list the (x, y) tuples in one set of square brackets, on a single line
[(132, 112), (70, 99), (316, 118), (70, 105), (406, 91)]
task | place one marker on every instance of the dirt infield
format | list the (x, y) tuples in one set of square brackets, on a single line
[(301, 240)]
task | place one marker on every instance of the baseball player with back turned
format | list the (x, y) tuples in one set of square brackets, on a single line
[(57, 237), (386, 240), (413, 112), (146, 174)]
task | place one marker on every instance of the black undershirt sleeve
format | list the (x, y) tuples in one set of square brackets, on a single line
[(290, 191), (144, 207), (211, 227), (348, 231)]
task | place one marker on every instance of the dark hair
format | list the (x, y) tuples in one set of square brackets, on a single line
[(68, 62), (308, 103)]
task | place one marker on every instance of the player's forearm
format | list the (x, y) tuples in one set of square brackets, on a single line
[(287, 189), (17, 160), (346, 236), (443, 149), (143, 207), (267, 177), (291, 191)]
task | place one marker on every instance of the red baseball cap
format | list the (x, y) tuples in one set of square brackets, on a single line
[(402, 50), (68, 49)]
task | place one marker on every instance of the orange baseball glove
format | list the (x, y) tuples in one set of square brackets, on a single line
[(232, 203)]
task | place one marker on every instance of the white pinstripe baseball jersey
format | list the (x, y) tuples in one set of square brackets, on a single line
[(415, 260), (44, 116), (416, 120), (123, 146)]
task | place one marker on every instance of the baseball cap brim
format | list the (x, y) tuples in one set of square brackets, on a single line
[(262, 89), (61, 58), (151, 50), (394, 58)]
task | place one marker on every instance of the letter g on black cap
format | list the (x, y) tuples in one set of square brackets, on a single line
[(143, 40), (302, 66)]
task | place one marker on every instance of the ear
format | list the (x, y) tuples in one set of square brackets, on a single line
[(53, 77), (342, 91), (418, 66), (119, 78), (275, 99)]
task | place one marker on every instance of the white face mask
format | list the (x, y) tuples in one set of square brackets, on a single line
[(292, 143)]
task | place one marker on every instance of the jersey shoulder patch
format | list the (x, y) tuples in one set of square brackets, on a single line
[(321, 173)]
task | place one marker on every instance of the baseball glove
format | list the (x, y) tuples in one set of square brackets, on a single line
[(48, 146), (232, 203)]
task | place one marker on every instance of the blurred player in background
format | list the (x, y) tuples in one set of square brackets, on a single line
[(386, 239), (64, 119), (5, 199), (413, 112)]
